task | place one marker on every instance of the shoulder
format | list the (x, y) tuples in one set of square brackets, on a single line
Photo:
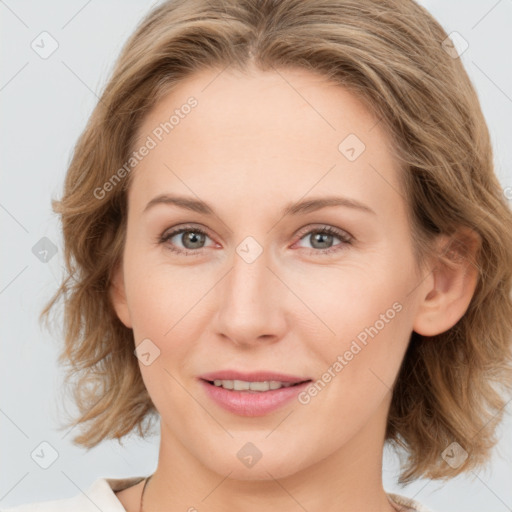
[(99, 495)]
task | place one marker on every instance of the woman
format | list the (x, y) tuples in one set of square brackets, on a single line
[(285, 239)]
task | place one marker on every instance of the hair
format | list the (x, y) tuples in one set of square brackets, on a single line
[(390, 54)]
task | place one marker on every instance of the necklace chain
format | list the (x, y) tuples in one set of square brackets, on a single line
[(142, 495), (149, 477)]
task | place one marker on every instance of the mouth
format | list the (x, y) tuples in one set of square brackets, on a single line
[(255, 394), (253, 386)]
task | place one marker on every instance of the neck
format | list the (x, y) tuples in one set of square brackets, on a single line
[(347, 480)]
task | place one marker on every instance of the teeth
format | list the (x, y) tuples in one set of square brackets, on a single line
[(242, 385)]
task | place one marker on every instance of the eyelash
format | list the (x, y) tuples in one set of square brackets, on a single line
[(345, 238)]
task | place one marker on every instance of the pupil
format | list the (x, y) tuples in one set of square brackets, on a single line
[(319, 237), (194, 238)]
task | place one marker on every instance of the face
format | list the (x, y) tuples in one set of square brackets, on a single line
[(254, 283)]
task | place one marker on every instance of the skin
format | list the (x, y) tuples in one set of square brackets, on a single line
[(256, 142)]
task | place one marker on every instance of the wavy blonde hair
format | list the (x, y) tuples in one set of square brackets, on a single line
[(390, 54)]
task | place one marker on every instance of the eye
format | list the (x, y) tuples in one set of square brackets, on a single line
[(321, 239), (191, 237)]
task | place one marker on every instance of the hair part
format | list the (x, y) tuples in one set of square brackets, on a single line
[(389, 54)]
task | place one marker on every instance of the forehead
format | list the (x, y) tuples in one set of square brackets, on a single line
[(283, 129)]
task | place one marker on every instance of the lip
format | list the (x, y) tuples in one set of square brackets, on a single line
[(252, 403), (258, 376)]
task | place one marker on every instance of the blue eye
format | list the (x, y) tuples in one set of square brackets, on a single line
[(193, 239), (325, 235), (194, 236)]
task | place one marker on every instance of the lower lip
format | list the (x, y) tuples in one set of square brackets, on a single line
[(255, 403)]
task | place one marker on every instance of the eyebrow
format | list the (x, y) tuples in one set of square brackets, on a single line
[(298, 208)]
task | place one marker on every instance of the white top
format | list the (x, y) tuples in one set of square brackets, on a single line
[(100, 496)]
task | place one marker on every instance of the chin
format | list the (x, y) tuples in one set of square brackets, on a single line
[(261, 471), (247, 463)]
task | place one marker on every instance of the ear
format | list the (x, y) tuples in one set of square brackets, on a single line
[(453, 281), (117, 295)]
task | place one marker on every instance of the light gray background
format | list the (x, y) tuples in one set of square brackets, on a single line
[(45, 104)]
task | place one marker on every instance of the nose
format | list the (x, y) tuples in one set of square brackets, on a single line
[(251, 302)]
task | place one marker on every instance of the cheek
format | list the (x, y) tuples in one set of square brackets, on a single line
[(369, 314), (161, 324), (151, 308), (157, 294), (346, 301), (163, 303), (356, 369)]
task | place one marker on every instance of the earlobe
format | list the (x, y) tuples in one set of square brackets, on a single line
[(117, 294), (454, 279)]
